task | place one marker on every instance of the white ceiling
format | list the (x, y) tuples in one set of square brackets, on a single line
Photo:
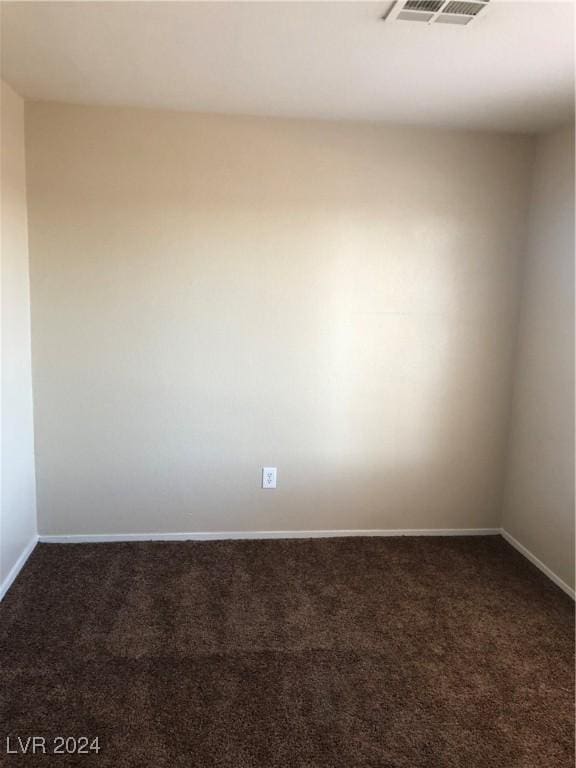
[(512, 70)]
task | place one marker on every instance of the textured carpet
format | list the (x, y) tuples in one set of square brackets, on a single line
[(325, 653)]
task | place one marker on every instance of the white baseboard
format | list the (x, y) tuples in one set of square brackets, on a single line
[(87, 538), (17, 567), (538, 563), (83, 538)]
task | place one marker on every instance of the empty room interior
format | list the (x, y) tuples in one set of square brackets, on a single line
[(287, 384)]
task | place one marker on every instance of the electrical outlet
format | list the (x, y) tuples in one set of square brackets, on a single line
[(268, 477)]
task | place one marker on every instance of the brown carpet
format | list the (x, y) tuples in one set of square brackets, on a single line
[(325, 653)]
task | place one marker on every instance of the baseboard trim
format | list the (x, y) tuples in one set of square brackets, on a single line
[(90, 538), (223, 535), (17, 567), (538, 563)]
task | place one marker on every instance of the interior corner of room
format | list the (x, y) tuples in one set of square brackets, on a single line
[(406, 358)]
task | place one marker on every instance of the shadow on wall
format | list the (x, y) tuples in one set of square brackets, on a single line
[(214, 295)]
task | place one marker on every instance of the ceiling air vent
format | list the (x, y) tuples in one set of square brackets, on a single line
[(459, 12)]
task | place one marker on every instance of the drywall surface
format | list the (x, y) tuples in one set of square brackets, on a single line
[(18, 510), (212, 295), (539, 500)]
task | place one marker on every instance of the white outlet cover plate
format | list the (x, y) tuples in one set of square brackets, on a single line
[(268, 477)]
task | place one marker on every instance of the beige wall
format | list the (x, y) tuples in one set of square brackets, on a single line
[(18, 497), (539, 499), (212, 294)]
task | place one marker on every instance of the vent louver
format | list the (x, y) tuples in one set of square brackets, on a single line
[(423, 5), (458, 12)]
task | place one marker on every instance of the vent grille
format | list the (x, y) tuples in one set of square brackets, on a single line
[(463, 8), (423, 5), (457, 12), (413, 16)]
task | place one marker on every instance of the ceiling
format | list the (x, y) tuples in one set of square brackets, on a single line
[(512, 69)]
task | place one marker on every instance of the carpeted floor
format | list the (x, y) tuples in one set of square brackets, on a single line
[(324, 653)]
